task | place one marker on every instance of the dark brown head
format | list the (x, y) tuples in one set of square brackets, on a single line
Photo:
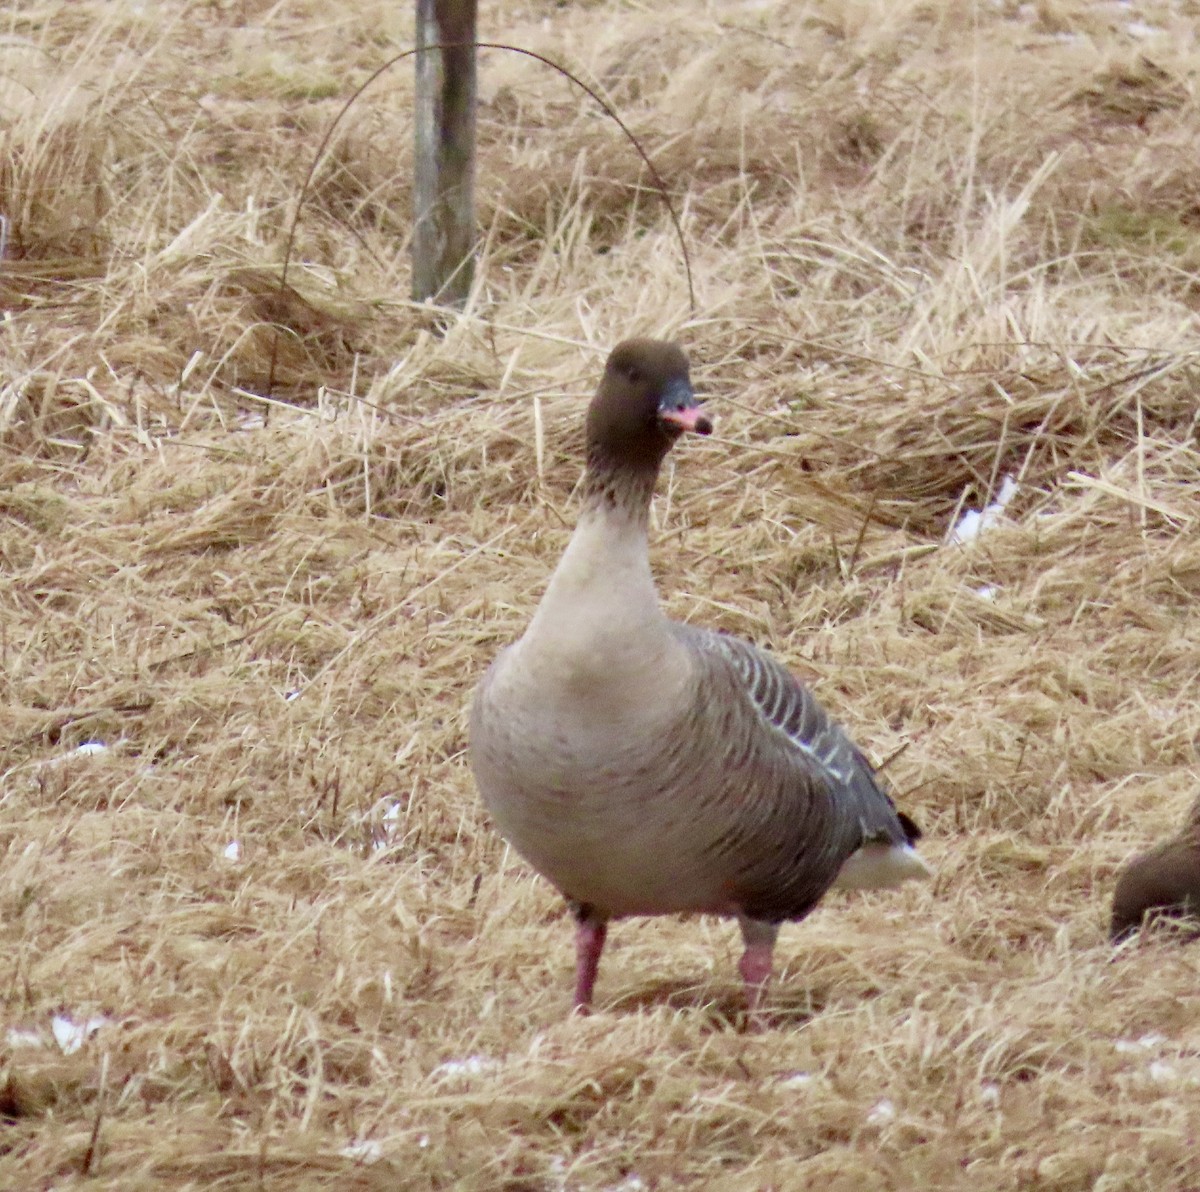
[(644, 403)]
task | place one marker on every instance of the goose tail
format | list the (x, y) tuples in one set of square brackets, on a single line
[(881, 867)]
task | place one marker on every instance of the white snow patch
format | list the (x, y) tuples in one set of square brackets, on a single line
[(365, 1152), (1141, 30), (973, 522), (1161, 1073), (389, 825), (796, 1080), (1134, 1046), (472, 1065), (71, 1035), (87, 749), (989, 1095), (20, 1036), (882, 1113), (232, 851)]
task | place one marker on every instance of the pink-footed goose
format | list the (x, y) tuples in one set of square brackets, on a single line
[(648, 767), (1163, 883)]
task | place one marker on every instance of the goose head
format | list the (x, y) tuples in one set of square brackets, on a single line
[(644, 403)]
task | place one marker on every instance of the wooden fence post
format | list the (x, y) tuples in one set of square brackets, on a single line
[(444, 182)]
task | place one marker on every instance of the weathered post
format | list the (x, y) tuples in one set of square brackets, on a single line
[(444, 183)]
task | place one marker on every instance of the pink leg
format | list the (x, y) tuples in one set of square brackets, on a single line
[(755, 965), (589, 943)]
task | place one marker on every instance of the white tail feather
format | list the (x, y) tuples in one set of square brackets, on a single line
[(881, 867)]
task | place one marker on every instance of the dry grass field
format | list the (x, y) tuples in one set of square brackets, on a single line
[(258, 933)]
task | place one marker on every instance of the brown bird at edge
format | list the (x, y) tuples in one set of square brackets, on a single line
[(1162, 883), (649, 767)]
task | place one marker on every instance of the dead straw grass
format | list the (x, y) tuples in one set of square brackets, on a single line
[(934, 246)]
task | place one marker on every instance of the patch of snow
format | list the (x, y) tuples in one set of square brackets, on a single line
[(989, 1095), (19, 1036), (882, 1113), (1141, 30), (87, 749), (472, 1065), (71, 1035), (389, 824), (1161, 1073), (986, 592), (367, 1151), (796, 1080), (973, 522), (1145, 1043), (232, 851)]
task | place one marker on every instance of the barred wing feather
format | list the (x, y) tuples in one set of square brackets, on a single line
[(822, 750)]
